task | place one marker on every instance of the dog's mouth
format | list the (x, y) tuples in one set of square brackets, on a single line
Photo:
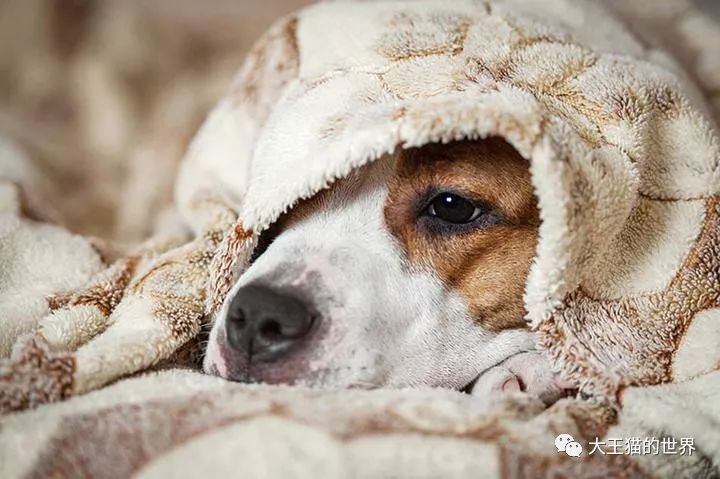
[(467, 389), (512, 384)]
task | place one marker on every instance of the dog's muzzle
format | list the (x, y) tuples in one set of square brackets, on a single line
[(264, 324)]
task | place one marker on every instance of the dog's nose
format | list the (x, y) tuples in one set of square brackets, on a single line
[(265, 323)]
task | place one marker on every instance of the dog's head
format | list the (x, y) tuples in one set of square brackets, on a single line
[(408, 272)]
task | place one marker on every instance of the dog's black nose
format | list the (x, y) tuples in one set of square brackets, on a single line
[(265, 323)]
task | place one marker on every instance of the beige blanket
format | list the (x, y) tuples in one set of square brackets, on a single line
[(624, 291)]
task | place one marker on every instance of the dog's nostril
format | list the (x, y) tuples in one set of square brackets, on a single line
[(266, 323), (238, 318), (271, 330)]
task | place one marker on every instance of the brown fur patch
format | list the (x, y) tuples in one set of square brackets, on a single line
[(487, 266)]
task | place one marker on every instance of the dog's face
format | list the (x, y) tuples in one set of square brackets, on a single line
[(409, 272)]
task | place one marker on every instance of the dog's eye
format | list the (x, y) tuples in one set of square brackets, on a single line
[(453, 208)]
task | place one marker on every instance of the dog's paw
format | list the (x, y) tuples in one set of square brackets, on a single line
[(527, 373)]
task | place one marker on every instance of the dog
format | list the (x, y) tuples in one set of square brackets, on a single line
[(409, 272)]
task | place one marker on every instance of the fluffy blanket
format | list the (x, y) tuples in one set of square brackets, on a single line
[(624, 291)]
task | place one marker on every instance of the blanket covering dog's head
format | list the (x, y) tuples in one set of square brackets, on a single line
[(624, 165)]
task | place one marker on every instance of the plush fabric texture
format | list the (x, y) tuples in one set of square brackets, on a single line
[(182, 424), (178, 423), (624, 291)]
